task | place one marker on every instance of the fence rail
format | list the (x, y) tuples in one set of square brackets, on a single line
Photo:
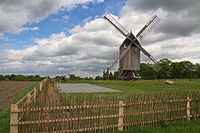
[(101, 106)]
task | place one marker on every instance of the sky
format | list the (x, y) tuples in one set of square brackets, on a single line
[(49, 37)]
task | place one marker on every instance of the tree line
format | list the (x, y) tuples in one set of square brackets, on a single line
[(14, 77), (168, 70)]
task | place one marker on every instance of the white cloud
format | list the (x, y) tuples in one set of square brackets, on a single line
[(92, 47), (88, 19), (31, 28), (15, 14), (99, 1), (90, 50), (76, 29)]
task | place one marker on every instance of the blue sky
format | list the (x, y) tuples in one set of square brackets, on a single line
[(46, 37)]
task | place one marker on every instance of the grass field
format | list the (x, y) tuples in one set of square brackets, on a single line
[(127, 87), (149, 86), (11, 92), (172, 127)]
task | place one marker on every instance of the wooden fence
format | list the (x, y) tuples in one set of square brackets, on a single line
[(103, 114), (25, 102)]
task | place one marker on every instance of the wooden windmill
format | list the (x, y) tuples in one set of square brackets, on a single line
[(129, 58)]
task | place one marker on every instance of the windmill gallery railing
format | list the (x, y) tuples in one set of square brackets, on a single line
[(104, 114)]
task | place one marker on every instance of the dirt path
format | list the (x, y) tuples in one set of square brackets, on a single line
[(49, 96)]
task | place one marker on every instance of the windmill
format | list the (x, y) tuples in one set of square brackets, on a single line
[(129, 58)]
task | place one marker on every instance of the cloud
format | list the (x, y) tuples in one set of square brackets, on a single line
[(99, 1), (170, 5), (92, 47), (31, 28), (180, 18), (15, 14), (87, 19)]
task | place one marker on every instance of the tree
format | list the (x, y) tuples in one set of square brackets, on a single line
[(117, 73), (98, 78), (187, 69), (147, 72), (34, 78), (176, 70), (197, 70), (164, 72), (19, 78), (74, 77), (106, 74), (2, 77)]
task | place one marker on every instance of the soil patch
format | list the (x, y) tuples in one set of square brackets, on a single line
[(10, 89)]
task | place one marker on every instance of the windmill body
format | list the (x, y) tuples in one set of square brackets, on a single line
[(130, 49), (130, 62)]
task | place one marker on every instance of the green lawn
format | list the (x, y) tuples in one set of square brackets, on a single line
[(145, 86)]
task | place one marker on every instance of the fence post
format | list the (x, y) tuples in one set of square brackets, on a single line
[(34, 93), (44, 82), (13, 118), (41, 84), (28, 99), (188, 109), (121, 115)]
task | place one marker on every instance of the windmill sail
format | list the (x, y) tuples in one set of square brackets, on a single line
[(148, 27), (119, 27)]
